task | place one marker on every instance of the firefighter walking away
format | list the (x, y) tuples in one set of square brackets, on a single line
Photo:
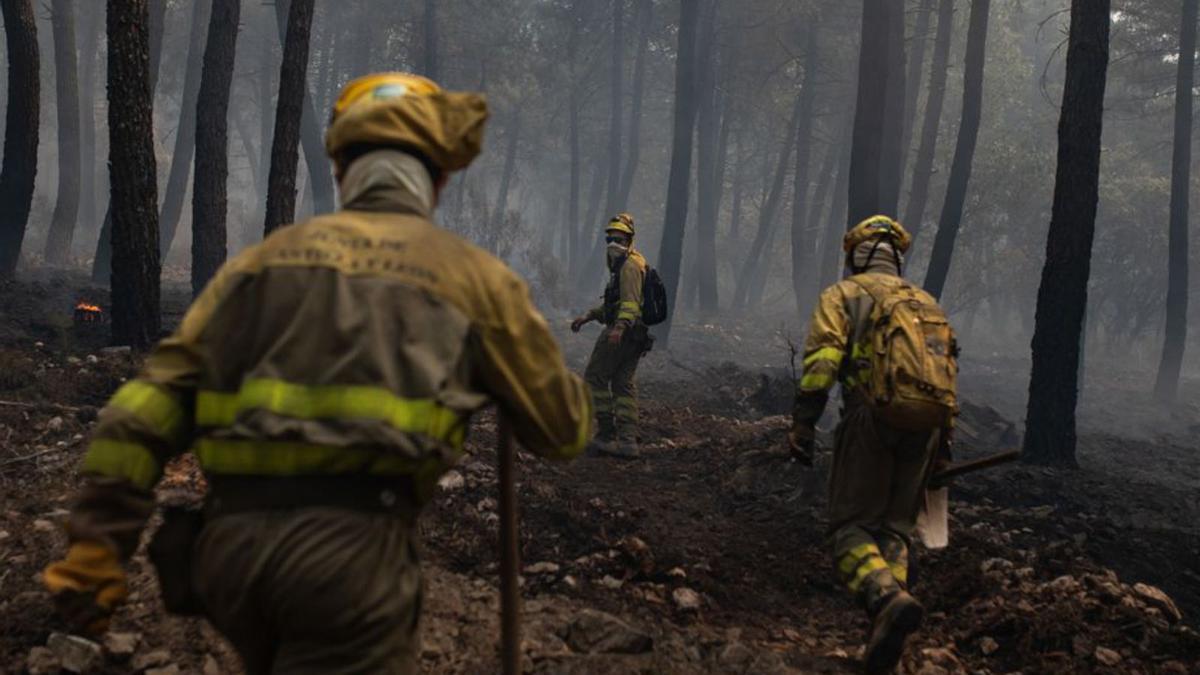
[(324, 380), (890, 347)]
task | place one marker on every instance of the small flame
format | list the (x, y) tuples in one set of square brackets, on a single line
[(85, 307)]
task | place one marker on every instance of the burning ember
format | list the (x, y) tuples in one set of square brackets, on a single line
[(88, 313)]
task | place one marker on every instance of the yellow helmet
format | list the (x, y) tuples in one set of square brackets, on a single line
[(877, 226), (622, 222), (410, 112)]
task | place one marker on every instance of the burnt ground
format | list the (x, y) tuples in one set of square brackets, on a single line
[(704, 555)]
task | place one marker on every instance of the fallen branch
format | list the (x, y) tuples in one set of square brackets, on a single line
[(18, 460), (689, 369), (52, 406)]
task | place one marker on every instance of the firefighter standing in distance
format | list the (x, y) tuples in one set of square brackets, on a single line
[(324, 379), (890, 346), (614, 360)]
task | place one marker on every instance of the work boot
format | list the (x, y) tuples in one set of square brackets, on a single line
[(898, 618), (597, 447), (625, 447)]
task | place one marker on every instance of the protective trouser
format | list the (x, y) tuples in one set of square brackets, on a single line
[(313, 590), (610, 374), (876, 487)]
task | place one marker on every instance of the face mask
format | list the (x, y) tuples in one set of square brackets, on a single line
[(616, 252)]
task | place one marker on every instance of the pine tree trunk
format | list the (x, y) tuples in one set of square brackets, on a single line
[(916, 61), (135, 263), (20, 130), (66, 86), (918, 195), (891, 153), (704, 270), (1166, 385), (964, 151), (573, 225), (91, 21), (645, 9), (319, 171), (185, 133), (831, 251), (874, 150), (683, 125), (285, 146), (803, 242), (1062, 296), (818, 235), (209, 203), (430, 43)]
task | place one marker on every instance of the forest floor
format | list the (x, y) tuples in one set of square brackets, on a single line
[(704, 555)]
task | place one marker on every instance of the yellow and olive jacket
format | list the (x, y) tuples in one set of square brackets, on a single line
[(623, 294), (838, 345), (357, 343)]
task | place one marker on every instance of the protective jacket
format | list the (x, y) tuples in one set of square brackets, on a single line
[(355, 344), (623, 294)]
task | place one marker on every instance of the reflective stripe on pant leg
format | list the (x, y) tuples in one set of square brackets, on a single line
[(625, 409), (859, 563), (602, 401), (895, 552)]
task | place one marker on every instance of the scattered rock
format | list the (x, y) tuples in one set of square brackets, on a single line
[(596, 632), (121, 646), (453, 480), (1156, 598), (74, 360), (677, 573), (687, 599), (152, 659), (988, 646), (75, 654), (1107, 656), (638, 554), (55, 424), (611, 582), (42, 661), (486, 504), (42, 525), (544, 567), (92, 358)]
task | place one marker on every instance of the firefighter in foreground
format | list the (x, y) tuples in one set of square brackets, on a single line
[(889, 345), (324, 380), (614, 360)]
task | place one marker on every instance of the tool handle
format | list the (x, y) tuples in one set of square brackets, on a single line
[(510, 552), (956, 469)]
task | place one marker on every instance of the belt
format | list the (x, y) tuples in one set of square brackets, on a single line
[(228, 494)]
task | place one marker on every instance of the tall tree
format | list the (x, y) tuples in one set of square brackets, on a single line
[(707, 140), (831, 249), (803, 244), (91, 23), (185, 132), (645, 10), (209, 203), (319, 172), (1166, 385), (918, 195), (916, 61), (20, 130), (66, 86), (285, 151), (873, 150), (135, 268), (891, 153), (1062, 296), (430, 53), (683, 124), (510, 168), (964, 151), (573, 224)]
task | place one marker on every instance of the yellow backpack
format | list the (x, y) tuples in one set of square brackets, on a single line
[(914, 358)]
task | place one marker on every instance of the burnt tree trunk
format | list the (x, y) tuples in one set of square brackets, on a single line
[(285, 150), (916, 61), (831, 250), (135, 263), (209, 202), (1166, 385), (964, 151), (683, 125), (185, 133), (311, 139), (1062, 296), (803, 243), (20, 131), (707, 139), (918, 195), (645, 10), (510, 167), (873, 150), (66, 91), (891, 153), (91, 21)]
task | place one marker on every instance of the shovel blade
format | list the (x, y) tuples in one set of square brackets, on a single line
[(933, 522)]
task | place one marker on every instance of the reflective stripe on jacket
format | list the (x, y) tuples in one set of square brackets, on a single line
[(623, 294)]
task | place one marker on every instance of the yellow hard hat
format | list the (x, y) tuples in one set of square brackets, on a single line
[(622, 222), (410, 112), (877, 226)]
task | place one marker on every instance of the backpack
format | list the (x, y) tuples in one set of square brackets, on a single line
[(914, 359), (654, 298)]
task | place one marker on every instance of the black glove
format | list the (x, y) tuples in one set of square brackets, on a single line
[(801, 440)]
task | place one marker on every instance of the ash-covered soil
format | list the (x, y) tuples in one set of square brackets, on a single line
[(705, 555)]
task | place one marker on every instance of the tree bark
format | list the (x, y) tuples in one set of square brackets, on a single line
[(645, 9), (707, 139), (319, 172), (66, 86), (918, 196), (874, 149), (891, 154), (285, 150), (1062, 296), (1166, 385), (831, 251), (964, 151), (430, 61), (683, 124), (20, 131), (185, 133), (135, 268), (91, 21), (819, 235), (803, 242), (916, 61), (209, 202)]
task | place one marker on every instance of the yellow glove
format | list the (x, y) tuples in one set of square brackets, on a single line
[(87, 586)]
